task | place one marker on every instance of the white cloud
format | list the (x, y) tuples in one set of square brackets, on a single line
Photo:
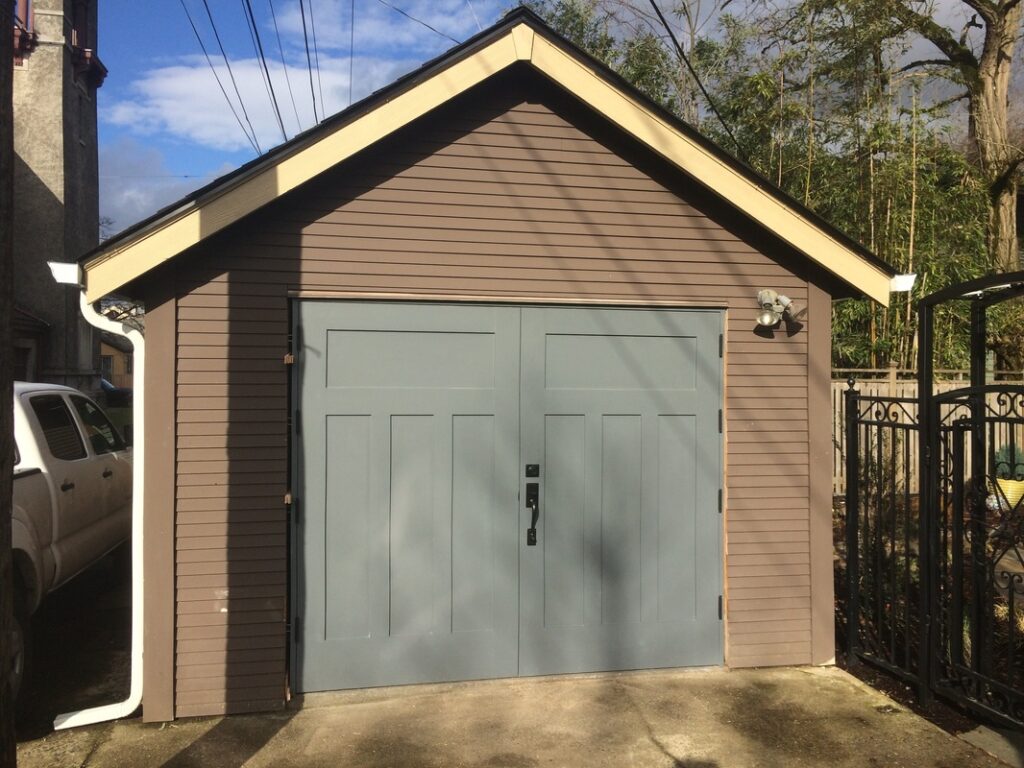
[(180, 104), (184, 101), (136, 182), (379, 28)]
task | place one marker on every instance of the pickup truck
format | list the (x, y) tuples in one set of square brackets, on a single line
[(72, 497)]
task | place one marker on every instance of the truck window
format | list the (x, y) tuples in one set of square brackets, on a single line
[(103, 437), (58, 427)]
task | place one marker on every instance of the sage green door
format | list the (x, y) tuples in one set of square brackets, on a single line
[(415, 426), (407, 540), (620, 409)]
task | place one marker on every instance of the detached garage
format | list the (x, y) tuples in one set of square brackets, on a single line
[(468, 382)]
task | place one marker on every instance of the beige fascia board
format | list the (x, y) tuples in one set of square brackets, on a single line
[(113, 269), (694, 160)]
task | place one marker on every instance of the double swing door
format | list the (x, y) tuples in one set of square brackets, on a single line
[(492, 491)]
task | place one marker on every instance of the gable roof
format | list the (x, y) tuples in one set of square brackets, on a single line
[(520, 37)]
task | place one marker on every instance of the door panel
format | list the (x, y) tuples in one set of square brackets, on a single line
[(627, 570), (407, 548)]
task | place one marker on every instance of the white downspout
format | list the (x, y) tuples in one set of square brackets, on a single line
[(69, 273)]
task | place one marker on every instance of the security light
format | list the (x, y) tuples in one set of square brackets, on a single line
[(773, 307)]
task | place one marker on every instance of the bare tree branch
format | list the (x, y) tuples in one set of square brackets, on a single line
[(946, 102), (958, 54), (926, 63), (985, 8)]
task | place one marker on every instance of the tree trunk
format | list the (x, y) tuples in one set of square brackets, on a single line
[(8, 743), (1002, 229), (999, 158)]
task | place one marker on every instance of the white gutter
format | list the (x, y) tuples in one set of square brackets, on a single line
[(69, 274)]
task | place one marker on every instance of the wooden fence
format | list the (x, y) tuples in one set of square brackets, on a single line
[(893, 385)]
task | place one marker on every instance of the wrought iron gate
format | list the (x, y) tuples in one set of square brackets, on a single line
[(935, 574), (978, 549)]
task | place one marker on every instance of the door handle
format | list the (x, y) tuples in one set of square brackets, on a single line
[(66, 486), (532, 504), (108, 472)]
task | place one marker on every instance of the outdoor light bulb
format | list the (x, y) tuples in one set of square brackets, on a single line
[(766, 299), (767, 318)]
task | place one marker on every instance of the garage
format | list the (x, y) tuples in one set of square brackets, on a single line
[(429, 435), (505, 285)]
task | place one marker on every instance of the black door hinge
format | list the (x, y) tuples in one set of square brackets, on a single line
[(719, 421), (719, 501), (721, 345), (719, 607)]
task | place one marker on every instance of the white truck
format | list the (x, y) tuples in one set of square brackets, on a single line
[(72, 497)]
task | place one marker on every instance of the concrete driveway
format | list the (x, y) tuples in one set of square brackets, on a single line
[(693, 718)]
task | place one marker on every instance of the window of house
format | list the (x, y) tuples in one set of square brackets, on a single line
[(129, 364), (103, 437), (58, 427), (80, 24), (107, 367)]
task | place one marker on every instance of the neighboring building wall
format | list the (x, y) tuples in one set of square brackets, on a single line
[(118, 364), (56, 179), (506, 195)]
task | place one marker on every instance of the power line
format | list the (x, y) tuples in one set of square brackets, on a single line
[(230, 73), (696, 78), (287, 79), (309, 61), (250, 139), (418, 21), (351, 45), (316, 58), (254, 33), (473, 11)]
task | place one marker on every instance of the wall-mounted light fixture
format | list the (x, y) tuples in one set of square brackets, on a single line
[(773, 307)]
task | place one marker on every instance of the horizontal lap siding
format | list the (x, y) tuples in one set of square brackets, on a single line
[(522, 205)]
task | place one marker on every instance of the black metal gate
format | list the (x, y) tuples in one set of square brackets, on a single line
[(935, 557)]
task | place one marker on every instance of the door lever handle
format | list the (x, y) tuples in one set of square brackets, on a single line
[(66, 486), (108, 472), (532, 504)]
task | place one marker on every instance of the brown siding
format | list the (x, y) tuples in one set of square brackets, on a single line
[(497, 197), (819, 406), (158, 528)]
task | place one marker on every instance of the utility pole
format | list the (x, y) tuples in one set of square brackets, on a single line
[(8, 743)]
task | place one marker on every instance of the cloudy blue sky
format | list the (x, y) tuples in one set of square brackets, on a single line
[(165, 127)]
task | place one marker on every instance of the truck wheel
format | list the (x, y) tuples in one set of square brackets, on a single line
[(21, 650)]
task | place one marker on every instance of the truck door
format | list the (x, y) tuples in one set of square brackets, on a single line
[(111, 461), (68, 467)]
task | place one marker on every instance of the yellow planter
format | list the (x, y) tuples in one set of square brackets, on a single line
[(1012, 490)]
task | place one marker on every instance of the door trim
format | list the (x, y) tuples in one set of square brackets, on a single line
[(520, 301)]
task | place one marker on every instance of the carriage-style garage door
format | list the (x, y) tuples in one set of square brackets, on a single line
[(417, 430)]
